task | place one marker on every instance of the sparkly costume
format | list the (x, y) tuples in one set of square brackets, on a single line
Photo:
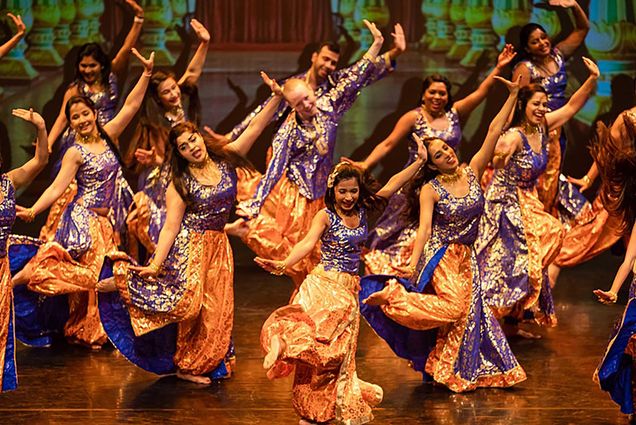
[(320, 333), (71, 263), (183, 318), (291, 191), (8, 371), (442, 323), (390, 243), (105, 104), (517, 238)]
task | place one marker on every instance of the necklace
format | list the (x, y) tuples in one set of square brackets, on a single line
[(452, 177), (175, 115), (89, 139), (529, 129), (203, 164), (434, 116)]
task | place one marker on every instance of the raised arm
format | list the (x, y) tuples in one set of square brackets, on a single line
[(23, 175), (378, 39), (195, 67), (399, 42), (301, 249), (70, 164), (581, 27), (428, 198), (609, 297), (401, 178), (175, 209), (401, 129), (60, 122), (119, 64), (20, 31), (117, 125), (484, 155), (466, 105), (244, 142)]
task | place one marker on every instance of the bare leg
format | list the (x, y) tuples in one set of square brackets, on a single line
[(197, 379), (553, 274), (276, 347)]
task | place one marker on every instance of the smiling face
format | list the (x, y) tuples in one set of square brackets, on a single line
[(301, 97), (324, 63), (82, 119), (346, 193), (442, 157), (435, 98), (539, 44), (90, 69), (536, 108), (191, 147), (169, 93)]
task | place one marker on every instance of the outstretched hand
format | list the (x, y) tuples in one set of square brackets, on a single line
[(506, 56), (145, 271), (359, 164), (375, 32), (422, 152), (399, 40), (272, 266), (513, 87), (562, 3), (147, 63), (583, 183), (202, 33), (30, 116), (24, 214), (147, 157), (272, 84), (17, 21), (592, 67), (605, 297)]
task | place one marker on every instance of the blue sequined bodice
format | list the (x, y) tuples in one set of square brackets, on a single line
[(554, 84), (525, 166), (97, 177), (105, 101), (209, 206), (452, 134), (7, 212), (340, 245), (456, 219)]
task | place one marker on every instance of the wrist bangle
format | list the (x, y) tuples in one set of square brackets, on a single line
[(154, 267), (147, 74), (280, 268), (138, 19), (587, 179)]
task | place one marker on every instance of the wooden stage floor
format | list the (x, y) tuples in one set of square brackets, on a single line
[(71, 385)]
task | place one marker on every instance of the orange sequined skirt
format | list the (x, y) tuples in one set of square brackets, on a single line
[(320, 333)]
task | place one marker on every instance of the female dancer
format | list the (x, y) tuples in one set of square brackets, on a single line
[(317, 334), (517, 238), (20, 31), (391, 242), (169, 102), (9, 183), (615, 154), (470, 350), (97, 78), (189, 280), (70, 264)]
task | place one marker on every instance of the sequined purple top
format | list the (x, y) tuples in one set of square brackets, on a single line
[(209, 207), (7, 212), (340, 245), (304, 150), (554, 84), (105, 101), (456, 219), (96, 178), (525, 166), (452, 134)]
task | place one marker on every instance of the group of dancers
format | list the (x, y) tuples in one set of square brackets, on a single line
[(461, 256)]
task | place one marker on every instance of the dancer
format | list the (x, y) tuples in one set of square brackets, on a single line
[(189, 280), (292, 190), (317, 334), (97, 78), (15, 39), (517, 238), (614, 152), (70, 264), (391, 241), (469, 349), (168, 102), (9, 183)]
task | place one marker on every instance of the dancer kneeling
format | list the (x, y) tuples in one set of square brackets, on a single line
[(317, 333), (440, 322)]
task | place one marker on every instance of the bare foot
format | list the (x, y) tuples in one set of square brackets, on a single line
[(274, 352), (527, 334), (306, 422), (237, 228), (197, 379), (514, 330), (106, 285)]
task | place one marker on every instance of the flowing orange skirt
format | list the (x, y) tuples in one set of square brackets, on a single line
[(6, 311)]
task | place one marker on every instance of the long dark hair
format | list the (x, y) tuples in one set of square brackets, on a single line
[(524, 37), (438, 78), (89, 103), (95, 51), (616, 161), (367, 197), (525, 94), (216, 149)]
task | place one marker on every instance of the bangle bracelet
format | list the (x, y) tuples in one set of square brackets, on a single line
[(280, 268), (30, 215), (587, 179), (154, 267), (138, 19)]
